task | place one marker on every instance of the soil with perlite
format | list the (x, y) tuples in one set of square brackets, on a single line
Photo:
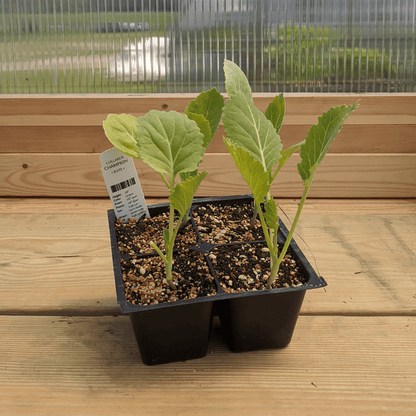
[(239, 267)]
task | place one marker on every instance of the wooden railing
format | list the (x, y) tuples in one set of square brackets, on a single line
[(50, 146)]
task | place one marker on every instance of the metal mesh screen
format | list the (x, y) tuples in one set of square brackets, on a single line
[(150, 46)]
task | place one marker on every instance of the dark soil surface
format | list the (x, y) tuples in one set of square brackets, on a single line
[(227, 224), (135, 236), (244, 267), (145, 279), (239, 267)]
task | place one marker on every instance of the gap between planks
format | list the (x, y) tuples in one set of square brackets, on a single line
[(33, 205)]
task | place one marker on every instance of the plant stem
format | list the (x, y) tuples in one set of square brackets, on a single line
[(169, 243), (276, 266), (253, 218), (272, 248), (185, 220)]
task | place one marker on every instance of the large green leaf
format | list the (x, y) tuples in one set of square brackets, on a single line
[(121, 131), (208, 104), (275, 112), (183, 193), (169, 142), (252, 171), (247, 127), (235, 81), (320, 137)]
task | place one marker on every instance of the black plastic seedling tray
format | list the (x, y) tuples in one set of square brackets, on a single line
[(250, 320)]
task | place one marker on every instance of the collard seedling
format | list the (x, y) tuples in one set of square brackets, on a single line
[(254, 143), (173, 144)]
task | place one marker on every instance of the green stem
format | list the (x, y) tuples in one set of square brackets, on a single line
[(173, 232), (167, 260), (164, 180), (273, 237), (185, 219), (276, 266), (253, 218), (169, 243), (269, 241), (159, 251)]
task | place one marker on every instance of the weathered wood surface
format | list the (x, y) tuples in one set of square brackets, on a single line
[(100, 205), (65, 350), (45, 140), (384, 123), (338, 176), (54, 260), (91, 366)]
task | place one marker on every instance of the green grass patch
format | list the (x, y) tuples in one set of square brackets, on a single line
[(16, 25), (70, 81), (314, 54)]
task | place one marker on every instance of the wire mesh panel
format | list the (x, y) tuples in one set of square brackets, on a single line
[(149, 46)]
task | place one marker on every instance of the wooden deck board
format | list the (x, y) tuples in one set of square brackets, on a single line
[(339, 176), (91, 365), (57, 262), (79, 138), (60, 124)]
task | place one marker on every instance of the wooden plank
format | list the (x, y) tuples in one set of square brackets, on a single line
[(56, 262), (297, 103), (90, 365), (60, 263), (354, 138), (89, 120), (289, 205), (339, 176), (74, 123), (90, 104)]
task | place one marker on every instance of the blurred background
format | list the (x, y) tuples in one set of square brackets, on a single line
[(153, 46)]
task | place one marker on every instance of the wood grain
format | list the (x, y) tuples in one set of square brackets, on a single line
[(296, 103), (55, 262), (354, 138), (91, 365), (339, 176), (384, 123), (65, 350), (288, 205)]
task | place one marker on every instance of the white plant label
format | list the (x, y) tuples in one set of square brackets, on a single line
[(123, 184)]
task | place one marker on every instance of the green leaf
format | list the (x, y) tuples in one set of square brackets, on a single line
[(121, 131), (203, 125), (271, 216), (252, 171), (286, 153), (169, 142), (185, 175), (275, 112), (320, 137), (208, 104), (247, 127), (166, 237), (183, 193), (235, 81)]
